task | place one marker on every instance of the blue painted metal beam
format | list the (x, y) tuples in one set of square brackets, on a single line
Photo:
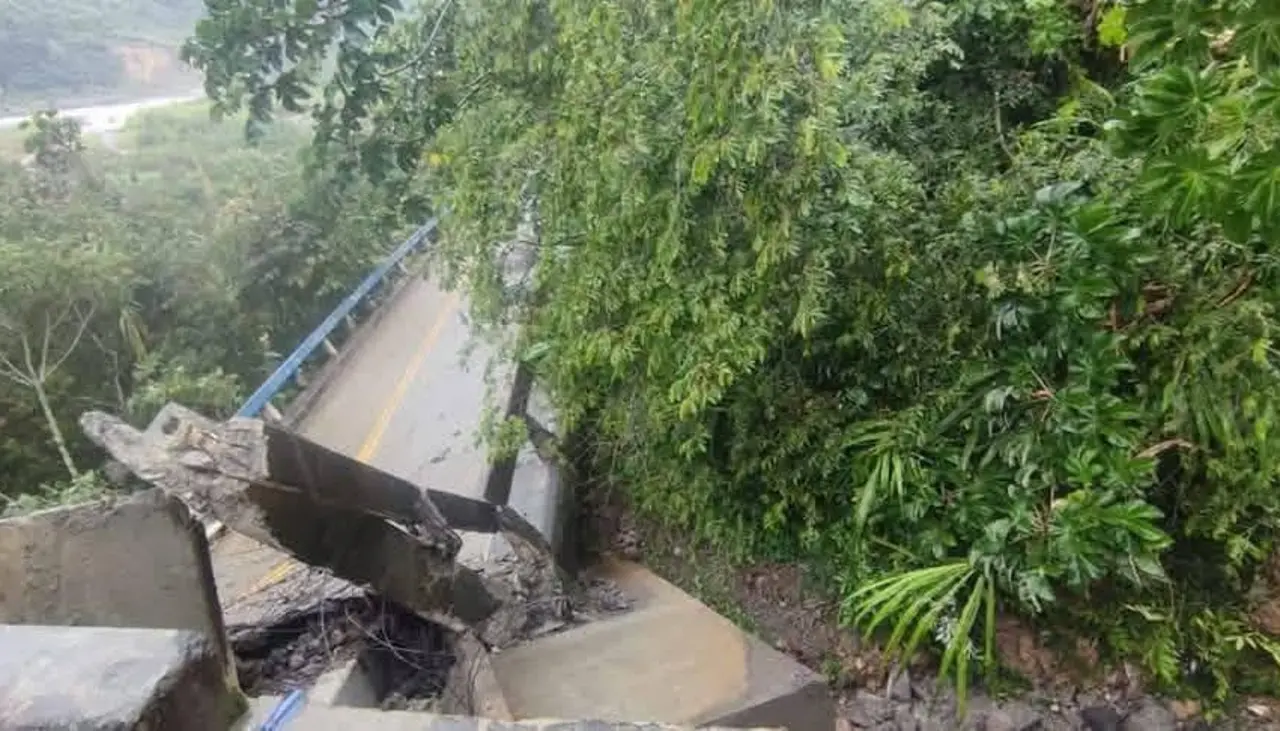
[(289, 368)]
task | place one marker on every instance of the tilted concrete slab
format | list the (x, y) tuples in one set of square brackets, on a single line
[(317, 717), (136, 562), (113, 679), (410, 400), (670, 660)]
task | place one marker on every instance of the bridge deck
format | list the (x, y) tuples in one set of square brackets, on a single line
[(409, 401)]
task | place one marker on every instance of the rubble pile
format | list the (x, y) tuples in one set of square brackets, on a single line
[(379, 579)]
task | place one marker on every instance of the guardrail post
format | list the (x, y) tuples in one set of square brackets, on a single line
[(272, 413)]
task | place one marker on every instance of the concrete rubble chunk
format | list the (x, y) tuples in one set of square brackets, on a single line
[(136, 562), (345, 685), (113, 679)]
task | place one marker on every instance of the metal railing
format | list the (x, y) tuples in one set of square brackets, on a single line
[(260, 400)]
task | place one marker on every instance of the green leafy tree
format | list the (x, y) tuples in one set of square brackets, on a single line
[(178, 264), (61, 274)]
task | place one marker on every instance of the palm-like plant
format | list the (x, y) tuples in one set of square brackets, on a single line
[(915, 602)]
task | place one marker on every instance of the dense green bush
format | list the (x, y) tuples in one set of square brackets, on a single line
[(969, 303)]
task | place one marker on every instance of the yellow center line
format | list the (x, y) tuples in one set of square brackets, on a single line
[(374, 437), (371, 442), (272, 577)]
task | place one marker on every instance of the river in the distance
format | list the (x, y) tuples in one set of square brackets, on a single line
[(107, 117)]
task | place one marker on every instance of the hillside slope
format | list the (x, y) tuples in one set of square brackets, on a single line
[(66, 52)]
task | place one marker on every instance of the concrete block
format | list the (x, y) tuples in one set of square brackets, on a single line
[(539, 494), (472, 688), (669, 660), (315, 717), (541, 410), (138, 562), (346, 685), (113, 679)]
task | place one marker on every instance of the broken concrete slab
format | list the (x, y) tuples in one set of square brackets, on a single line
[(136, 562), (669, 660), (113, 679), (268, 483), (328, 510), (316, 717)]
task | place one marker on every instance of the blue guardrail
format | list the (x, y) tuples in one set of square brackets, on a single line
[(289, 368)]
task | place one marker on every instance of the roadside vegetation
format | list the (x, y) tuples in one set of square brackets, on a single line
[(173, 262)]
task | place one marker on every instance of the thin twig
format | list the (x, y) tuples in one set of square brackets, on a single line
[(44, 341), (1238, 291), (421, 55), (13, 373), (48, 334), (1161, 447), (1000, 127), (476, 86), (121, 399), (75, 341), (26, 358)]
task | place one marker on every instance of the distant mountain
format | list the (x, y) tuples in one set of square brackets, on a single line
[(74, 52)]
